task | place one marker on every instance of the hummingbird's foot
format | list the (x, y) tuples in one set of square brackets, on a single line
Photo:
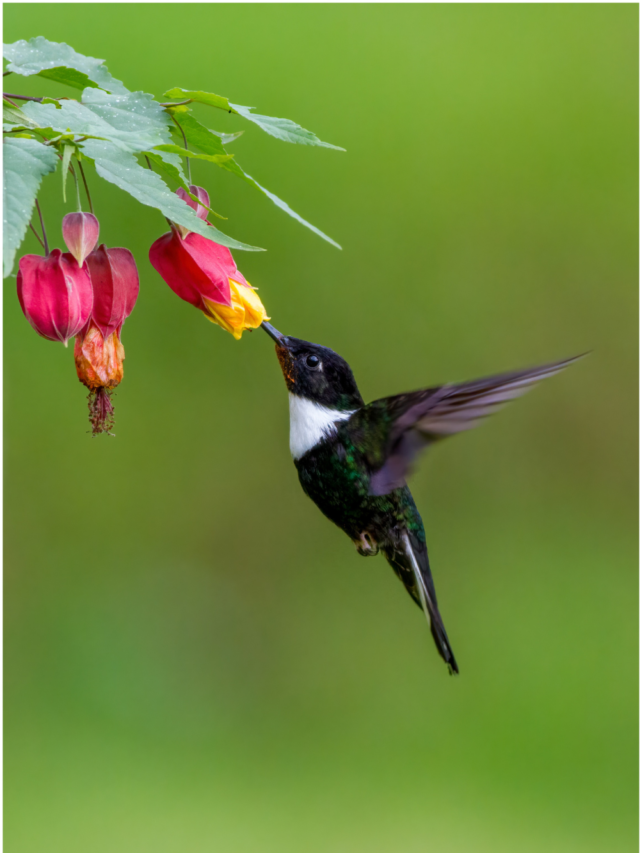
[(366, 545)]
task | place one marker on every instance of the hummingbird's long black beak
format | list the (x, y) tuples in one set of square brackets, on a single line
[(273, 333)]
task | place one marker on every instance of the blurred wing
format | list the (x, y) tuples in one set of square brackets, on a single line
[(420, 418)]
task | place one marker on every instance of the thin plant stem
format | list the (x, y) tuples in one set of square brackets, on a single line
[(171, 224), (178, 103), (86, 186), (77, 183), (44, 233), (186, 147), (39, 239), (6, 73), (4, 98), (24, 97)]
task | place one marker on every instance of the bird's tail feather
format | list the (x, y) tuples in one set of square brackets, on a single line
[(426, 594)]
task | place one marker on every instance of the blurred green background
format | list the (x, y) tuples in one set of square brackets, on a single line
[(195, 659)]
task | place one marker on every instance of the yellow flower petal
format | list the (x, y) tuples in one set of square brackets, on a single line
[(245, 312)]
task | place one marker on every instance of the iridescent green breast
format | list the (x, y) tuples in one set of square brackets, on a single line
[(335, 476)]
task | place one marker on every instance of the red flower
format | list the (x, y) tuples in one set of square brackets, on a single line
[(204, 274), (80, 233), (55, 294), (114, 278), (195, 268), (98, 351)]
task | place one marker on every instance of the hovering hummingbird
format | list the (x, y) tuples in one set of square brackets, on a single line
[(353, 458)]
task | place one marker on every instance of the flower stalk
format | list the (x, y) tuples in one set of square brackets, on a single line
[(86, 186), (186, 147), (38, 237), (44, 233)]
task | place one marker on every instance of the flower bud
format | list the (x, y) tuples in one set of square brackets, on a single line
[(202, 212), (55, 294), (201, 194), (99, 365), (204, 274), (98, 358), (80, 233), (115, 282)]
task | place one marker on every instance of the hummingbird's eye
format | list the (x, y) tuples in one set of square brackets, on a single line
[(312, 361)]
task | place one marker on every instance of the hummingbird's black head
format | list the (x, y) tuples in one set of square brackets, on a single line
[(316, 373)]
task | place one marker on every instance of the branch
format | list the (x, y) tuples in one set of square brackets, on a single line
[(24, 97)]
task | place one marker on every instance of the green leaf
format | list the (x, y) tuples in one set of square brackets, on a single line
[(14, 119), (235, 168), (208, 141), (201, 97), (197, 134), (57, 61), (134, 122), (188, 120), (47, 133), (183, 152), (169, 164), (176, 108), (281, 128), (26, 162), (67, 151), (226, 138), (14, 115), (122, 169), (135, 113)]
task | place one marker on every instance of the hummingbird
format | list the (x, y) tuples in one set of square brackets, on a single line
[(353, 458)]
